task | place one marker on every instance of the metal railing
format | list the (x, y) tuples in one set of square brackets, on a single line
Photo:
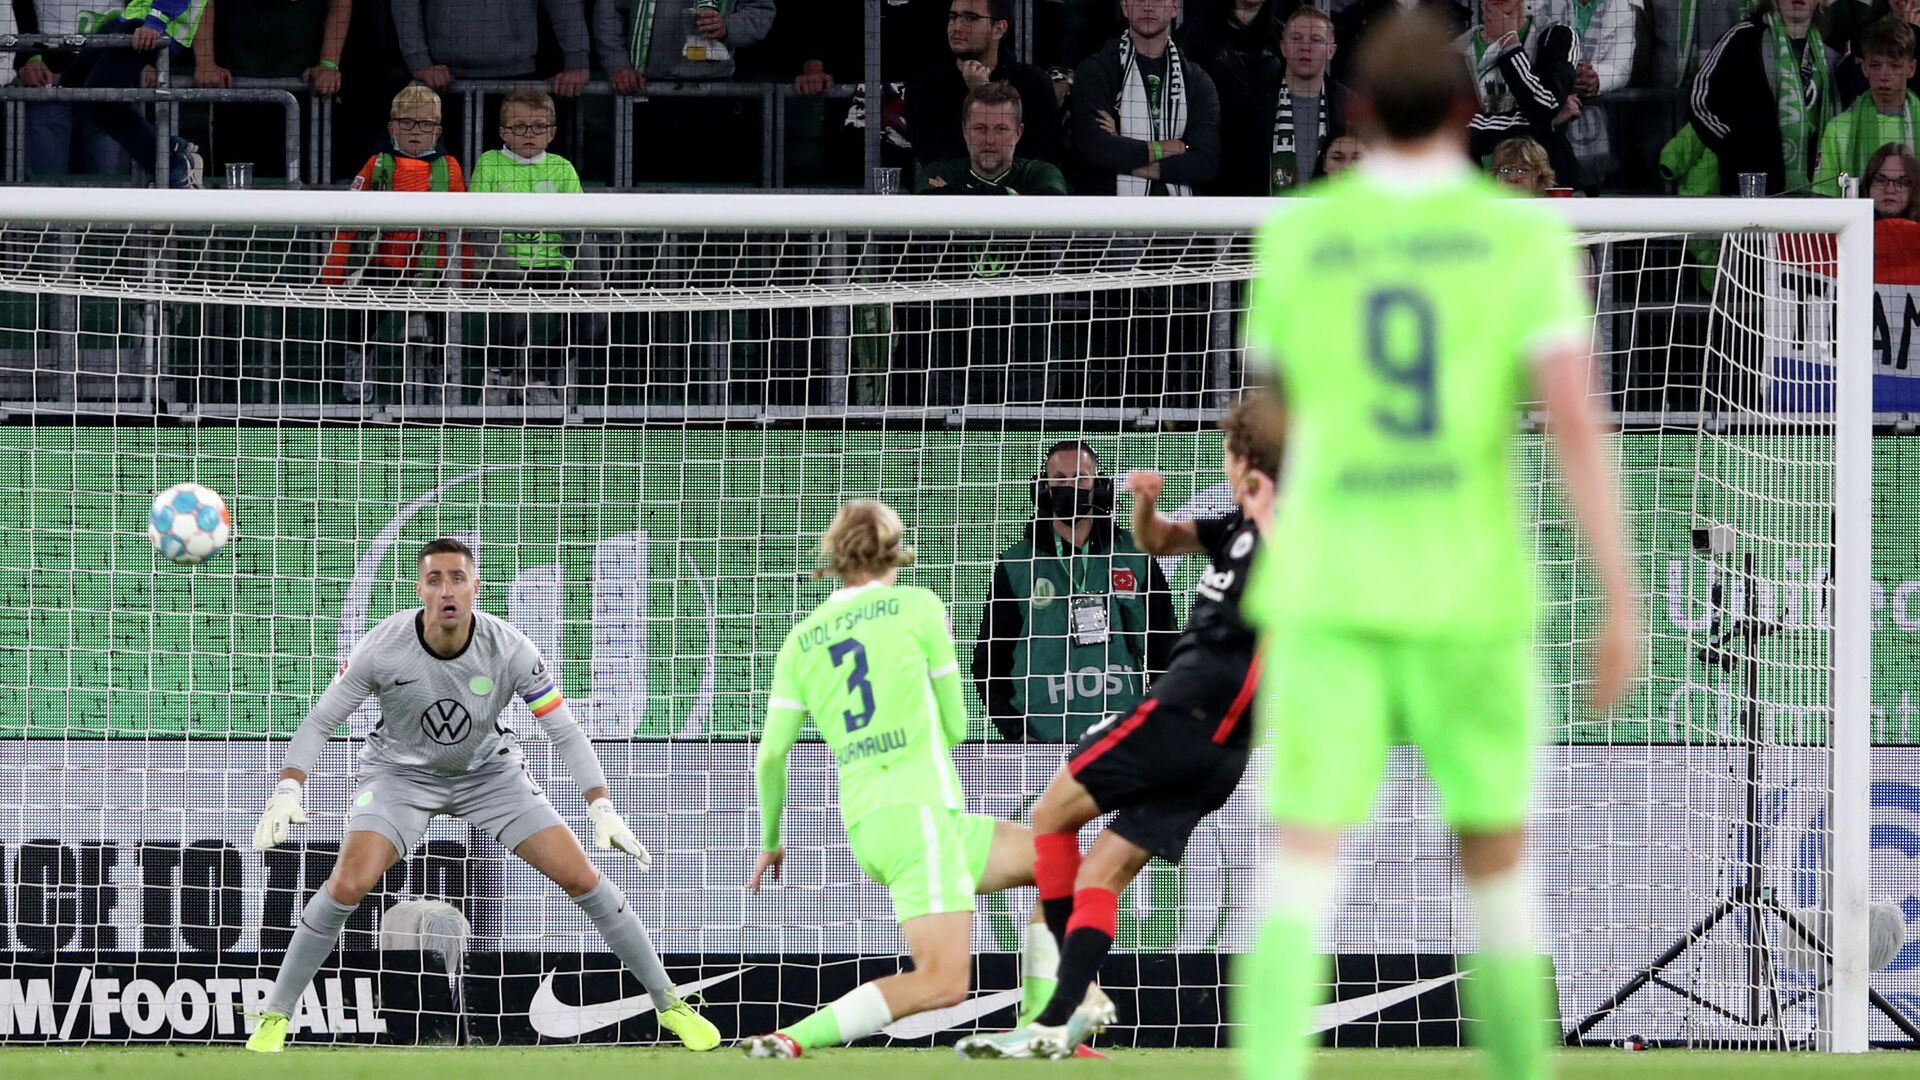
[(163, 96), (774, 101), (17, 97), (317, 169)]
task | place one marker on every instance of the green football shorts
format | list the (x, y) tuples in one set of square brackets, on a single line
[(1334, 703), (928, 857)]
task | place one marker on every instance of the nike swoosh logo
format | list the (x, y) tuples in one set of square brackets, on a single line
[(921, 1025), (1346, 1011), (405, 682), (556, 1019)]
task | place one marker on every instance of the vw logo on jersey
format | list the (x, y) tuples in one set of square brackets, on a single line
[(1241, 545), (446, 722)]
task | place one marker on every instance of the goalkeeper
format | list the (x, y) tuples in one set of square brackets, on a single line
[(1395, 598), (443, 674), (875, 666)]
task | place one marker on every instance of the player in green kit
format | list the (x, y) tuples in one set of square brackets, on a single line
[(875, 667), (1406, 312)]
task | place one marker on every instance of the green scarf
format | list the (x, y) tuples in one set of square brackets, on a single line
[(1803, 89), (1869, 120)]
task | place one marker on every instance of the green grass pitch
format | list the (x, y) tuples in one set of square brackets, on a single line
[(222, 1063)]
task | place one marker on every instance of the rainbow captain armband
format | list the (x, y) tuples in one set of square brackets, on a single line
[(545, 700)]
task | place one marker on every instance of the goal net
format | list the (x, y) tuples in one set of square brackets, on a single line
[(642, 413)]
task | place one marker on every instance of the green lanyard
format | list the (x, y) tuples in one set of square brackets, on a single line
[(1083, 587)]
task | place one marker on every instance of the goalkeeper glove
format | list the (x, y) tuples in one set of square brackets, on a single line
[(282, 810), (610, 831)]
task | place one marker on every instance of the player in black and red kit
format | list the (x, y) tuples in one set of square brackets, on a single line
[(1161, 768)]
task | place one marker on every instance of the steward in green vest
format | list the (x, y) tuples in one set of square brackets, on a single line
[(1078, 617)]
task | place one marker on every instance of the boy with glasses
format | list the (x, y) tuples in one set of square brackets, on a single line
[(1886, 113), (536, 259), (412, 161)]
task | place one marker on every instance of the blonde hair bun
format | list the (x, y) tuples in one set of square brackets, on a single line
[(865, 540)]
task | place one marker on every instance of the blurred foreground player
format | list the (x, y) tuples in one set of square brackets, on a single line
[(1164, 766), (1395, 596)]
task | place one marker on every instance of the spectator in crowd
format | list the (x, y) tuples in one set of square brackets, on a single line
[(1524, 75), (1350, 23), (992, 128), (1343, 153), (1263, 100), (444, 40), (1077, 616), (830, 41), (522, 164), (537, 259), (1066, 32), (1891, 174), (1239, 46), (1522, 164), (682, 40), (413, 161), (1683, 32), (1763, 96), (1604, 34), (154, 24), (55, 146), (372, 70), (1145, 117), (1887, 113), (977, 35), (687, 41), (827, 46), (1209, 28), (1307, 111), (1852, 81), (287, 39), (1841, 24)]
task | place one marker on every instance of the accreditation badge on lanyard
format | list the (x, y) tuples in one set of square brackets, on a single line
[(1089, 620)]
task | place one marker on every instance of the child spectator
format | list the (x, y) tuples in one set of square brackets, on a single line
[(538, 259), (527, 126), (1890, 176), (413, 161), (1886, 113)]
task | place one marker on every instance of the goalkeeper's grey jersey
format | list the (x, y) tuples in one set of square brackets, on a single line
[(445, 715)]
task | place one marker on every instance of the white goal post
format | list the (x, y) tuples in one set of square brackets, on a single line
[(647, 442)]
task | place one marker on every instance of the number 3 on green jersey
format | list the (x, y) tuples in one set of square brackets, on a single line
[(857, 682), (1400, 323), (876, 669)]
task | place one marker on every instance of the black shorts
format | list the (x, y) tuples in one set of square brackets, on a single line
[(1175, 758)]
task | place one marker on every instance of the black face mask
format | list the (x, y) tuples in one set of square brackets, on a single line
[(1069, 501)]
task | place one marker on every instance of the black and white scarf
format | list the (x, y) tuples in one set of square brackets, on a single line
[(1138, 113), (1284, 169)]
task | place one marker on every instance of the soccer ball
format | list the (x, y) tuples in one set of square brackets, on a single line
[(189, 523)]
